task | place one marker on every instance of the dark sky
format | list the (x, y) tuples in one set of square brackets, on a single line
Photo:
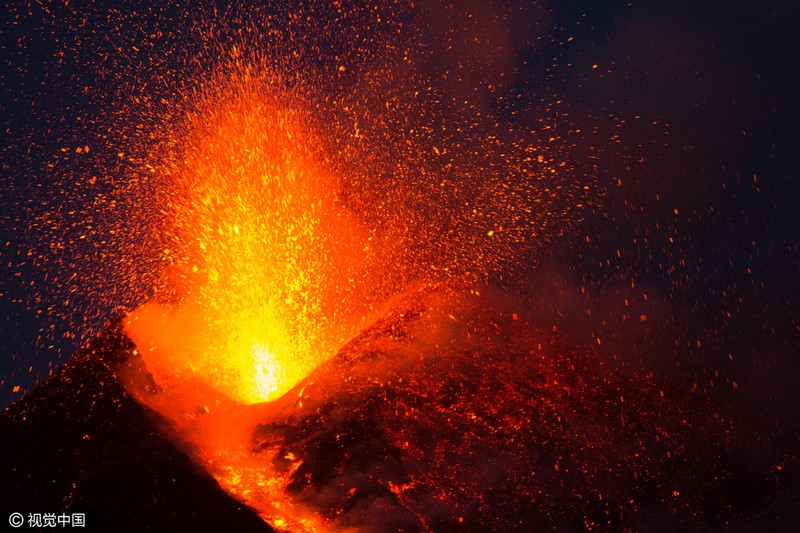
[(684, 113)]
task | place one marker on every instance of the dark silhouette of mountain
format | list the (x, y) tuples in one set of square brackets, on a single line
[(80, 441)]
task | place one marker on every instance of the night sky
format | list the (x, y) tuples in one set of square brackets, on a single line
[(681, 117)]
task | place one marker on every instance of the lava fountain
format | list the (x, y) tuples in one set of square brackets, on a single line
[(265, 271), (265, 274)]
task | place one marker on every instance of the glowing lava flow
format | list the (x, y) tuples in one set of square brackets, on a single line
[(266, 270)]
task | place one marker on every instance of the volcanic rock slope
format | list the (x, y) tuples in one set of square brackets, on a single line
[(79, 441), (455, 413)]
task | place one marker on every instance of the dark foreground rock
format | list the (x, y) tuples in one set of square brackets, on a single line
[(80, 442)]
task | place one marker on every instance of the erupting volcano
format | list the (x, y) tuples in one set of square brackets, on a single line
[(330, 247), (267, 275)]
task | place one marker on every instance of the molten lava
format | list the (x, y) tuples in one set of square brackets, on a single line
[(266, 271)]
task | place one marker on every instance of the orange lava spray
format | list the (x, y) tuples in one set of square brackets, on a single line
[(265, 269)]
